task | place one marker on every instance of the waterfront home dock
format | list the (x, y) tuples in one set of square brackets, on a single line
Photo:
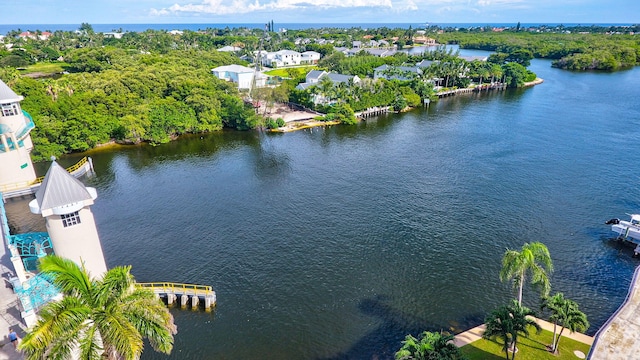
[(374, 111), (84, 166), (619, 337), (185, 292)]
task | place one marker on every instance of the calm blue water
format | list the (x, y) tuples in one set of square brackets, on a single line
[(335, 243)]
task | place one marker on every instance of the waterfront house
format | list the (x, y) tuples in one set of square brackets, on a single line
[(315, 77), (281, 58), (425, 63), (396, 72), (424, 40), (381, 52), (241, 75)]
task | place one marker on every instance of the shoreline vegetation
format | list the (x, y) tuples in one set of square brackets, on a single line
[(85, 89), (303, 124)]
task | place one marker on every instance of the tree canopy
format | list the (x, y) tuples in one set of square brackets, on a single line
[(102, 318)]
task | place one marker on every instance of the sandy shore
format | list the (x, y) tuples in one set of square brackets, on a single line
[(287, 114), (304, 124)]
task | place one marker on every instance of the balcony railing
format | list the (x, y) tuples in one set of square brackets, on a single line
[(28, 126)]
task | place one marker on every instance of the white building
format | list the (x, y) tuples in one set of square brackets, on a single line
[(229, 48), (64, 203), (15, 140), (241, 75), (315, 77), (310, 57), (115, 35), (281, 58)]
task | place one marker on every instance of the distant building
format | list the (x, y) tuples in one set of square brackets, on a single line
[(115, 35), (241, 75), (425, 63), (396, 72), (315, 77), (281, 58), (424, 40), (175, 32), (230, 49), (381, 52), (309, 57), (35, 36)]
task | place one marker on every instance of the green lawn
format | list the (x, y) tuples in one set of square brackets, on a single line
[(45, 68), (285, 72), (532, 348)]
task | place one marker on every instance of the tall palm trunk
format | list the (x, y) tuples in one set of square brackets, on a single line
[(555, 338), (520, 290), (555, 346)]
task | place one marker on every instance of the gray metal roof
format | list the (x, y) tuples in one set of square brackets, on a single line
[(339, 77), (315, 74), (7, 95), (60, 188)]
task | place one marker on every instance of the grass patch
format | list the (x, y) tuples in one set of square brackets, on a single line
[(531, 348), (45, 68), (287, 72)]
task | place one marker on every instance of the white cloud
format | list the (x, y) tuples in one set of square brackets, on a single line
[(236, 7), (498, 2), (226, 7)]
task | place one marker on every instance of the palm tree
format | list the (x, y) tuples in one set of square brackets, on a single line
[(103, 318), (431, 345), (508, 322), (533, 258), (564, 312), (499, 324)]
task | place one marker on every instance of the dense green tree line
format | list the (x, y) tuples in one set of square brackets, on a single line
[(572, 51), (154, 85), (128, 96)]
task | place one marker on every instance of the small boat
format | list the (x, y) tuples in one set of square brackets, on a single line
[(627, 230)]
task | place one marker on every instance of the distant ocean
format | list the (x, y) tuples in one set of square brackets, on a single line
[(4, 29)]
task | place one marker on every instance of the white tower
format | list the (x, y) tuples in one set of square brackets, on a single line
[(64, 203), (15, 141)]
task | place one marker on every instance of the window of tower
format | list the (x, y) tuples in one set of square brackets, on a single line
[(9, 109), (70, 219)]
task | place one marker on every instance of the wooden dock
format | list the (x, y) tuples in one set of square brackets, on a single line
[(467, 90), (374, 111), (84, 166), (186, 293)]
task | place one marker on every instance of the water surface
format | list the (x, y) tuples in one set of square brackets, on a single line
[(336, 242)]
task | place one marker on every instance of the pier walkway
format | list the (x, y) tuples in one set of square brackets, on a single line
[(85, 165), (184, 292), (469, 336), (619, 337), (374, 111)]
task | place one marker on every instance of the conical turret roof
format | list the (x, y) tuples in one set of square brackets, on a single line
[(59, 188), (7, 95)]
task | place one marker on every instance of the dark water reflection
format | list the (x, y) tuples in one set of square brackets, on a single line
[(336, 242)]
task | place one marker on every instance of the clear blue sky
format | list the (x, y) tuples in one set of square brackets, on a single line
[(318, 11)]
